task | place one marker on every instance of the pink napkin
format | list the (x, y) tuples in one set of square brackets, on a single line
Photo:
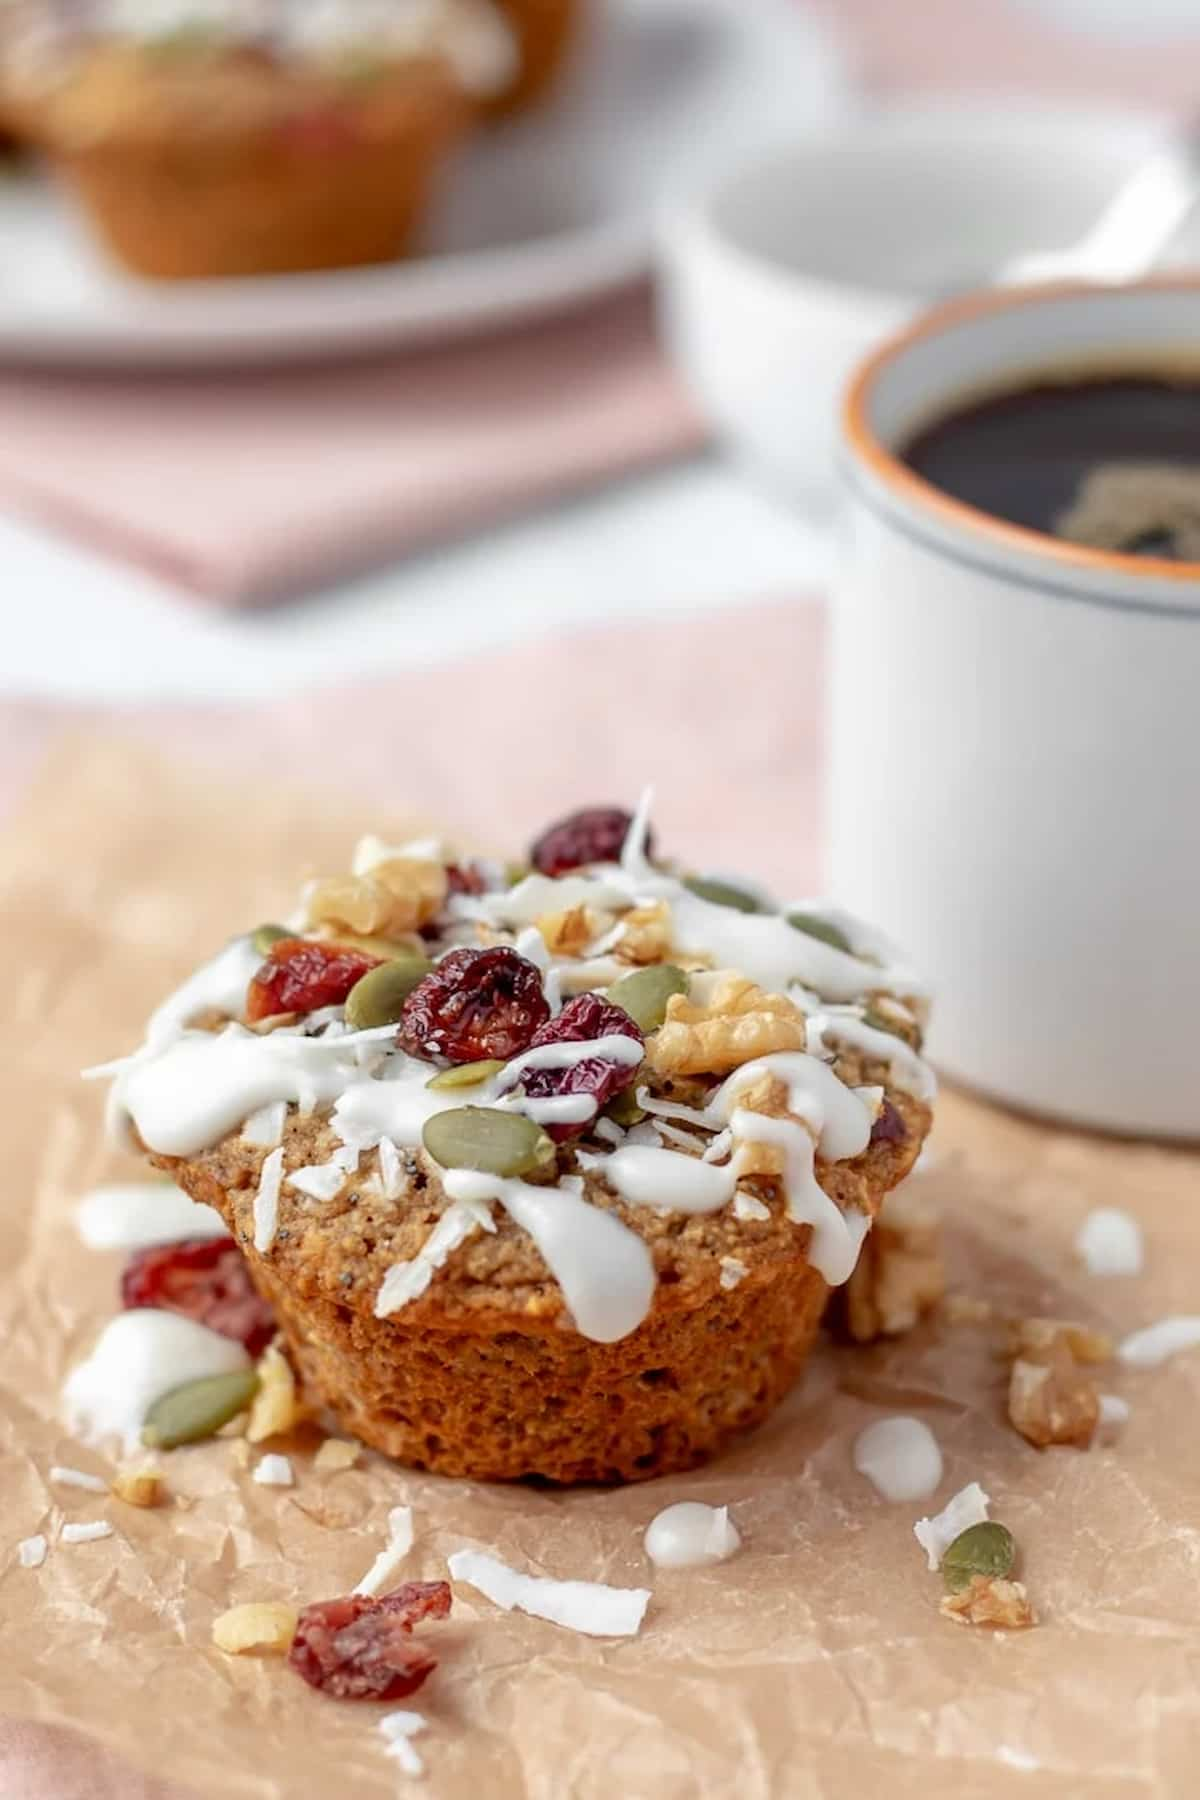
[(242, 488)]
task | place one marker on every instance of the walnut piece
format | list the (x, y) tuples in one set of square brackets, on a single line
[(258, 1625), (646, 934), (736, 1025), (989, 1600), (1051, 1400), (398, 895), (1034, 1337), (569, 933), (276, 1406), (139, 1486), (900, 1275)]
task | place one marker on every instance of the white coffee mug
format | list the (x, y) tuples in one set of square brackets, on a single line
[(1015, 759)]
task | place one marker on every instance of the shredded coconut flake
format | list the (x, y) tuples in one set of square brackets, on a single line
[(274, 1471), (935, 1536), (264, 1128), (733, 1272), (86, 1533), (266, 1201), (398, 1729), (387, 1564), (391, 1169), (1110, 1243), (746, 1206), (1114, 1410), (608, 1131), (320, 1181), (31, 1552), (1155, 1343), (587, 1606), (77, 1478)]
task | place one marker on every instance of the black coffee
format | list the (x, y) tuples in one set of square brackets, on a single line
[(1110, 461)]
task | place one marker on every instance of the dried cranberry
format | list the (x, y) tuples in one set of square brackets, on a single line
[(299, 976), (474, 1006), (582, 1019), (358, 1648), (594, 835), (465, 878), (889, 1127), (205, 1279)]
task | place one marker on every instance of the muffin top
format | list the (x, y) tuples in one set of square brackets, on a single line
[(558, 1090), (135, 65)]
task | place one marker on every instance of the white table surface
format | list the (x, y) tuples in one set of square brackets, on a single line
[(697, 535)]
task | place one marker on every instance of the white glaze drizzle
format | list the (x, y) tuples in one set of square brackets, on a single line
[(666, 1180), (906, 1070), (138, 1357), (135, 1215), (605, 1271)]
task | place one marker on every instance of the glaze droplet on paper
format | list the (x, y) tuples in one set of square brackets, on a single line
[(690, 1534), (900, 1457)]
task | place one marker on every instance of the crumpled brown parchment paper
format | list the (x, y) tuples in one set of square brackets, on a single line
[(812, 1664)]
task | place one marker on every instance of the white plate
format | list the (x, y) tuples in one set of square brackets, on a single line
[(541, 214)]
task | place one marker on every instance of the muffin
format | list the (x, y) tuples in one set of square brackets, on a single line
[(544, 1173), (545, 33), (201, 146)]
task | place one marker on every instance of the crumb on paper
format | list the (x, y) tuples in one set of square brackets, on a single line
[(1154, 1344), (900, 1275), (239, 1452), (31, 1552), (86, 1532), (276, 1408), (139, 1486), (1052, 1401), (967, 1309), (256, 1625), (336, 1454), (274, 1471), (1109, 1242), (990, 1600)]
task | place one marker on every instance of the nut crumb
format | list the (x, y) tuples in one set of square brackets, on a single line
[(569, 933), (397, 896), (967, 1309), (257, 1625), (140, 1486), (1051, 1400), (645, 934), (336, 1454), (900, 1275), (276, 1408), (988, 1600)]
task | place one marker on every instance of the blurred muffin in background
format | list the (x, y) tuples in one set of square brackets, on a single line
[(254, 137), (545, 32)]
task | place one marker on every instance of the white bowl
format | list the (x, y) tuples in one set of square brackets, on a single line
[(778, 280)]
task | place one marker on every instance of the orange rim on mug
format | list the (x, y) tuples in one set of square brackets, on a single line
[(906, 484)]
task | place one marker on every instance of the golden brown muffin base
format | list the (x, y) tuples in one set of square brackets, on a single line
[(484, 1375), (266, 203), (497, 1404), (545, 31)]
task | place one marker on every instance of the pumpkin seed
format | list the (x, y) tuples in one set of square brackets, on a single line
[(814, 927), (198, 1409), (987, 1549), (722, 893), (484, 1138), (378, 999), (623, 1110), (464, 1075), (644, 994), (263, 936)]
